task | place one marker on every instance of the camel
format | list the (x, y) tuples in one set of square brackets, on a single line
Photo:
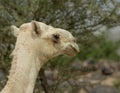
[(36, 43)]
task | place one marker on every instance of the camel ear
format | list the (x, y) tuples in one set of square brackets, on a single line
[(15, 30), (36, 30)]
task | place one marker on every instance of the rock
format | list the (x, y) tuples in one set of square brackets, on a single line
[(49, 74), (73, 82), (88, 88), (82, 91), (118, 66), (76, 65), (55, 74), (103, 63), (2, 75), (50, 82), (67, 91), (104, 89), (109, 81), (94, 82), (90, 65), (42, 91), (107, 71), (85, 64), (96, 75), (81, 80), (105, 67), (64, 86), (49, 77), (84, 83), (95, 67), (114, 65), (89, 75), (91, 62)]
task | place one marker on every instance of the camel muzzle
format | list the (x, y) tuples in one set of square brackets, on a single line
[(72, 49)]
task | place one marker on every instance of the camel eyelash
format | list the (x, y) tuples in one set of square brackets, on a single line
[(55, 38)]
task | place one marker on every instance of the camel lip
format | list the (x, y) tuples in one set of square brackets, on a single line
[(72, 51), (76, 50)]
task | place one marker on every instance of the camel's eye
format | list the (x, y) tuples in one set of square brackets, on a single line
[(55, 38)]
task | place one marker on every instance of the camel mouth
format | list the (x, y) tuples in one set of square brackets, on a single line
[(72, 51), (76, 50)]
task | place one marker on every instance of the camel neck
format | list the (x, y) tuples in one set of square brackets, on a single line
[(24, 70)]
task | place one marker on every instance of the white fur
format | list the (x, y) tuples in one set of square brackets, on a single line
[(32, 52)]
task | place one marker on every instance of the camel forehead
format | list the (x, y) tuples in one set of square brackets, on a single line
[(63, 33), (48, 30)]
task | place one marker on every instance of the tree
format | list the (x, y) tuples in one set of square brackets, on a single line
[(81, 17)]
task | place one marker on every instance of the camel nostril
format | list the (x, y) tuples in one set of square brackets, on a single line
[(75, 49), (72, 49)]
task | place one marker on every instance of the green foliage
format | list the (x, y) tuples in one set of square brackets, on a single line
[(80, 17), (100, 48)]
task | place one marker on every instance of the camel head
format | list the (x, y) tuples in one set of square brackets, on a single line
[(45, 40)]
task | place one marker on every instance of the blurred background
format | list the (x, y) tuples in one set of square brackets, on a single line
[(95, 24)]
